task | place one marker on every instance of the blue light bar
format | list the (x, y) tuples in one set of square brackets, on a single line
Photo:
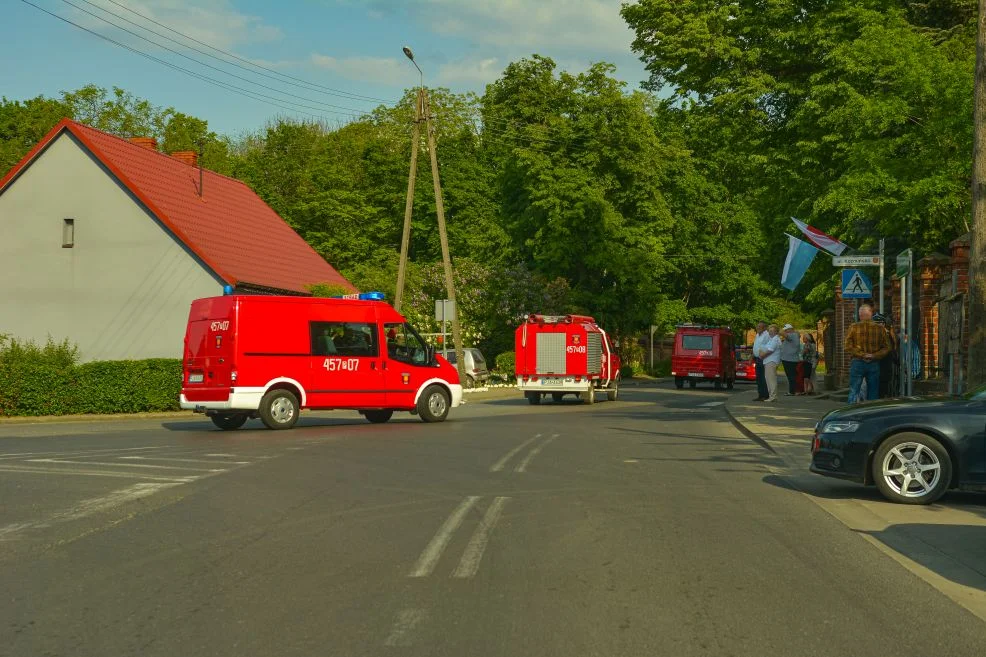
[(227, 289), (362, 296)]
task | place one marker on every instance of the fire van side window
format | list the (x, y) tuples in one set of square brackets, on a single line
[(344, 339)]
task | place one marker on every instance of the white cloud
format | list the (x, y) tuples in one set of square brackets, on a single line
[(593, 27), (470, 72), (215, 22), (381, 70)]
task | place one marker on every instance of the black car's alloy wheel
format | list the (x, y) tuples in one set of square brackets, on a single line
[(912, 468)]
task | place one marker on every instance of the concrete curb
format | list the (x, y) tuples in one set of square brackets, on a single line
[(52, 419)]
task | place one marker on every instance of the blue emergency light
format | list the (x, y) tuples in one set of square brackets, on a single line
[(363, 296), (227, 289)]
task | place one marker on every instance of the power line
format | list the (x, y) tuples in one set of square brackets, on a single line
[(224, 85), (201, 63), (329, 90)]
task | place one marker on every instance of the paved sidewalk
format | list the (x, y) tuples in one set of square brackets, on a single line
[(942, 543), (786, 426)]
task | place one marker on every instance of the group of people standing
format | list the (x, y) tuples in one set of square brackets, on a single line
[(786, 348), (871, 343)]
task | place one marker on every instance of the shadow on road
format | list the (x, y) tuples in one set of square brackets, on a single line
[(956, 552)]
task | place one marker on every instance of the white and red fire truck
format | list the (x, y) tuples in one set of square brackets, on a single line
[(563, 355)]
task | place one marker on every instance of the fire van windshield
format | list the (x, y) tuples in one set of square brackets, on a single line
[(404, 344), (696, 342)]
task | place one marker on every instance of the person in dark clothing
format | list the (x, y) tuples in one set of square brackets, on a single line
[(889, 362), (790, 358)]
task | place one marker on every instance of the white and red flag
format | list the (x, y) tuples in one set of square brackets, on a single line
[(820, 239)]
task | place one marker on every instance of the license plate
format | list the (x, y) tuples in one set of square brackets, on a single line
[(698, 374), (550, 382), (195, 378)]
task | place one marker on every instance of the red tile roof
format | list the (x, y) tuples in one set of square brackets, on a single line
[(229, 227)]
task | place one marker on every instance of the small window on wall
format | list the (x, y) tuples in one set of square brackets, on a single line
[(68, 233)]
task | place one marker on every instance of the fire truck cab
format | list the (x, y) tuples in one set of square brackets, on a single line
[(271, 356), (566, 354), (703, 354)]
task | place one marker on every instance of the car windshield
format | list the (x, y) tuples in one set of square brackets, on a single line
[(744, 355)]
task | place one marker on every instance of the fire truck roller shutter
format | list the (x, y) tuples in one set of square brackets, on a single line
[(551, 353)]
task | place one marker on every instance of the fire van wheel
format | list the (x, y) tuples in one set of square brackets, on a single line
[(679, 382), (692, 383), (378, 417), (279, 409), (433, 404), (718, 385), (558, 396), (229, 421), (533, 398), (614, 392), (590, 396)]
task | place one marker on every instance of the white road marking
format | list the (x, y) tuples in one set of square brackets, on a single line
[(496, 467), (28, 469), (18, 455), (534, 452), (469, 564), (231, 456), (89, 507), (179, 460), (433, 552), (406, 621), (711, 404), (125, 465)]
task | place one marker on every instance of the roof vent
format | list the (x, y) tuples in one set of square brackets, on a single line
[(191, 158), (150, 143)]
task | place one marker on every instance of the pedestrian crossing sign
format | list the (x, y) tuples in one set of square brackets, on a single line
[(855, 285)]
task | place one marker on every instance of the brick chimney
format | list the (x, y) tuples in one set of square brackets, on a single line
[(150, 143), (190, 158)]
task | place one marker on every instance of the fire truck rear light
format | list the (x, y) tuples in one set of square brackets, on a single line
[(578, 378), (534, 378), (232, 376)]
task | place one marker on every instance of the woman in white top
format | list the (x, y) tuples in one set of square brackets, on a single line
[(770, 352)]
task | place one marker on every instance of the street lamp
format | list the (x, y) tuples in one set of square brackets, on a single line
[(410, 55)]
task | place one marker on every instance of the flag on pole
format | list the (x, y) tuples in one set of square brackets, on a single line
[(820, 239), (799, 257)]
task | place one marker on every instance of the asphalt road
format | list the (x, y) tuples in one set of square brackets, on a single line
[(647, 526)]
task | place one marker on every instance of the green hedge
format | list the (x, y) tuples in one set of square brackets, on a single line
[(48, 380), (506, 363)]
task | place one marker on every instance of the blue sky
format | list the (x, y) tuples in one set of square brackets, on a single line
[(349, 46)]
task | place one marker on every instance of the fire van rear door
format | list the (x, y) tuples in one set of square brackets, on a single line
[(697, 355), (209, 344)]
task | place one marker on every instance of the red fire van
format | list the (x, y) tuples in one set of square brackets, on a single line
[(271, 356), (703, 353)]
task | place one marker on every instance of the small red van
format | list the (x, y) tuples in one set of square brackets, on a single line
[(271, 356), (703, 353)]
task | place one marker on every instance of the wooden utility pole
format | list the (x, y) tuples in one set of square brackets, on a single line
[(409, 204), (460, 360), (422, 113), (977, 256)]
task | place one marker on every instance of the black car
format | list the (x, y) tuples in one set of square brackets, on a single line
[(913, 449)]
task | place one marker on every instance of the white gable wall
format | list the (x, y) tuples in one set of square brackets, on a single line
[(123, 291)]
